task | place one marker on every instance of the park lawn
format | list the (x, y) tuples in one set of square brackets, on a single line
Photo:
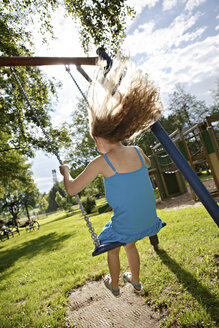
[(39, 269)]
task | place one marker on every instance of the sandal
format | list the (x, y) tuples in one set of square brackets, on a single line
[(127, 277), (107, 283)]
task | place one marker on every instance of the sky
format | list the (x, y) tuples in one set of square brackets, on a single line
[(174, 41)]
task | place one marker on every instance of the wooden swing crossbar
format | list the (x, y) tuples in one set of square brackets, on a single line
[(42, 61)]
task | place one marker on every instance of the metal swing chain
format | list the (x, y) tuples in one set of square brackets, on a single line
[(54, 149), (96, 241), (67, 67), (91, 229)]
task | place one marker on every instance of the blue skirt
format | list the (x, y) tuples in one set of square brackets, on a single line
[(109, 235)]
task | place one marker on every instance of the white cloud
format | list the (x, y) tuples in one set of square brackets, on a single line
[(169, 4), (42, 166), (67, 41), (217, 27), (160, 39), (151, 3), (191, 4), (190, 66), (137, 5), (167, 63), (44, 184), (44, 180)]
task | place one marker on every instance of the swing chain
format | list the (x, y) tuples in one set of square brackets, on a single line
[(55, 151), (67, 67), (89, 225), (96, 241)]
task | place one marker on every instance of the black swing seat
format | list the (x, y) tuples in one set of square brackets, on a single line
[(107, 247)]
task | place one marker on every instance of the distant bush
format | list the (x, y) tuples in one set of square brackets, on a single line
[(105, 208), (89, 203), (63, 202)]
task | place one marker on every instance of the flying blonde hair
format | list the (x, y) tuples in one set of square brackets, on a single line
[(123, 102)]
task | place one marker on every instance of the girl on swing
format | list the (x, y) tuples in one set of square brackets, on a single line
[(122, 103)]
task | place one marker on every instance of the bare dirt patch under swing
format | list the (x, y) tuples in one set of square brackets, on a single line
[(92, 305)]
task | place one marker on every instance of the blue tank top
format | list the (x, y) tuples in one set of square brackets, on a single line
[(132, 198)]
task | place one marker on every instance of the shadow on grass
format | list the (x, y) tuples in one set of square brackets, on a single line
[(41, 245), (192, 285)]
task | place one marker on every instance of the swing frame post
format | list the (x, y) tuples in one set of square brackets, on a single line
[(180, 161)]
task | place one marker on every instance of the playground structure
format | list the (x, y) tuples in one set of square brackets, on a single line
[(170, 181), (200, 147), (174, 153)]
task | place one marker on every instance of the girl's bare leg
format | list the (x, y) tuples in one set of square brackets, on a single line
[(134, 261), (114, 267)]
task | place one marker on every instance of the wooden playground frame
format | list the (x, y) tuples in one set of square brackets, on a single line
[(203, 135)]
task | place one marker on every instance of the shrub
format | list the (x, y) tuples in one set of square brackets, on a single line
[(89, 203), (105, 208)]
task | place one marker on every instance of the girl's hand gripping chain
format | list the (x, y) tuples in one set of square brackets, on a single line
[(64, 170)]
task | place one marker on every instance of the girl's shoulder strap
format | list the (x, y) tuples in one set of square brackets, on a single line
[(139, 154), (110, 164)]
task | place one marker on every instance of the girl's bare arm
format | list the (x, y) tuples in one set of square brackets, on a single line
[(73, 187)]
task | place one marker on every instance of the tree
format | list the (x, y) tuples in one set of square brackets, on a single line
[(82, 147), (215, 106), (62, 202), (99, 22), (88, 203), (19, 128), (98, 184), (146, 140), (18, 192), (43, 204), (185, 109), (29, 197), (102, 22), (52, 207)]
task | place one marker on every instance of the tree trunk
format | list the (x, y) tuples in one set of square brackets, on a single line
[(26, 207)]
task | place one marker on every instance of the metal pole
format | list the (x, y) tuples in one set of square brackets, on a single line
[(40, 61), (203, 194)]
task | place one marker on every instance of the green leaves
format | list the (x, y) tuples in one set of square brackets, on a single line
[(82, 148), (62, 202), (185, 109), (17, 188), (101, 23)]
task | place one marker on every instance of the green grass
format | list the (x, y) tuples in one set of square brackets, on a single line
[(39, 269)]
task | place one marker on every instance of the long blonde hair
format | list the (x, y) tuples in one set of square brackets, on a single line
[(122, 103)]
